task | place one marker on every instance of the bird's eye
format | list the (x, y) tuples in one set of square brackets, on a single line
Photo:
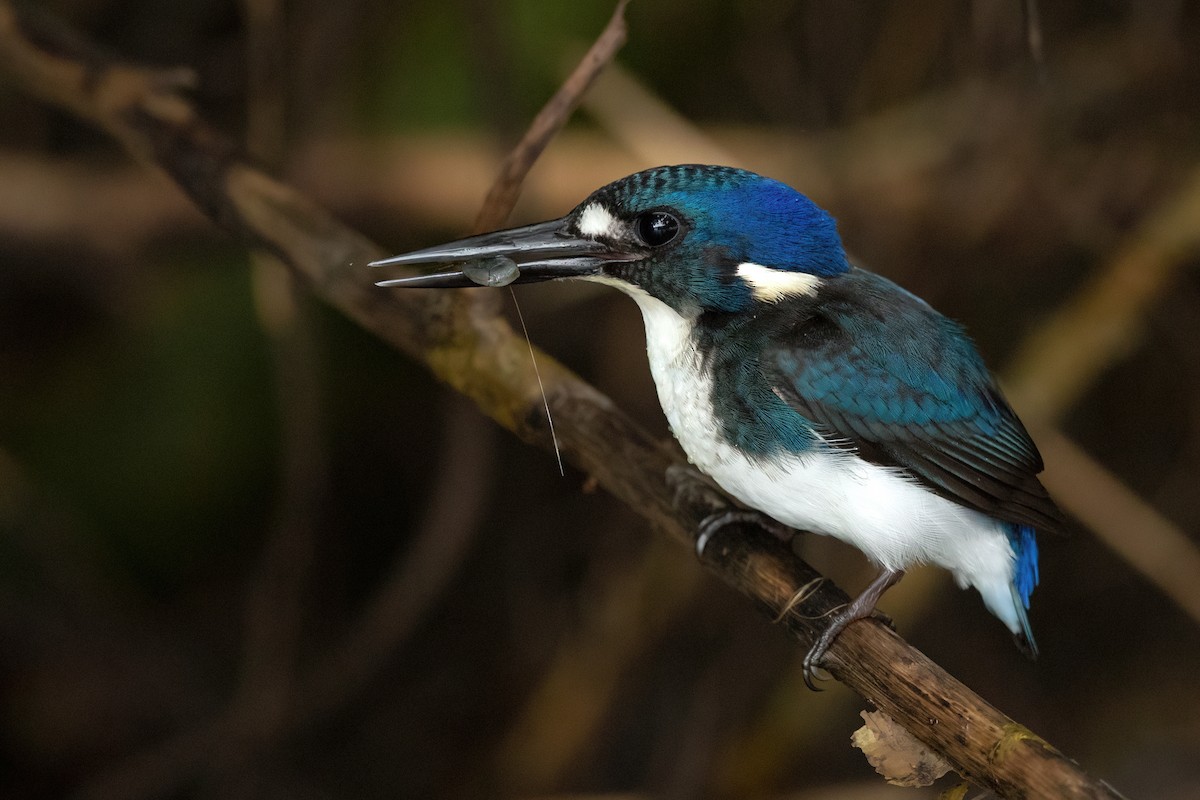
[(657, 228)]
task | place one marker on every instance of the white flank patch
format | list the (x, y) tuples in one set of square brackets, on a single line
[(596, 220), (772, 285)]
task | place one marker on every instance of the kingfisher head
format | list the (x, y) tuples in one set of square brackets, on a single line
[(698, 238)]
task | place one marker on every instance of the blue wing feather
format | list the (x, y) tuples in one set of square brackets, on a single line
[(931, 408)]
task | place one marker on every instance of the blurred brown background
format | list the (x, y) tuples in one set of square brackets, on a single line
[(246, 550)]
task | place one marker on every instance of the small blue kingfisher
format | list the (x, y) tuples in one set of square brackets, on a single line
[(815, 392)]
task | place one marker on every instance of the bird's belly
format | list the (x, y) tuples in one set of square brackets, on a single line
[(893, 520)]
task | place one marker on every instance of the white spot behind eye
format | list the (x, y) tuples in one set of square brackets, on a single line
[(596, 220), (772, 285)]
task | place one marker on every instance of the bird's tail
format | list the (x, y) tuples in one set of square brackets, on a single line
[(1025, 578), (1024, 637)]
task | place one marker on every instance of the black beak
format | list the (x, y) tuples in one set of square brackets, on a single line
[(541, 252)]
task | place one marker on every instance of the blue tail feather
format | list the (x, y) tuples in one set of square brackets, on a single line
[(1025, 570), (1025, 578)]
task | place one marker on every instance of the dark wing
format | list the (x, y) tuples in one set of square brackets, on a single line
[(907, 389)]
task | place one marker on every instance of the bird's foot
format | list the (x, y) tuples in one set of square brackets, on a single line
[(861, 607), (711, 525), (693, 489)]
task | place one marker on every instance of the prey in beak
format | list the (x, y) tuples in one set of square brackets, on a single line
[(529, 254)]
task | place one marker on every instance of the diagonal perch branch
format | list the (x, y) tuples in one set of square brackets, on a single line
[(481, 356)]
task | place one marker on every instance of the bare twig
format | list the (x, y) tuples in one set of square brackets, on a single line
[(653, 131), (274, 607), (503, 195), (1126, 523), (1087, 335), (418, 576), (1033, 36), (579, 686), (485, 360)]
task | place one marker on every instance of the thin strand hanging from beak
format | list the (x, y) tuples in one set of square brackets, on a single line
[(541, 387)]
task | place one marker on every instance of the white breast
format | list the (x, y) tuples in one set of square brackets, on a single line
[(894, 521)]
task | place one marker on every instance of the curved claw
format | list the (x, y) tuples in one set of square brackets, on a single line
[(713, 523), (861, 607), (811, 665), (816, 653)]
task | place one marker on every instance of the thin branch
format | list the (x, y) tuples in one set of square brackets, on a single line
[(418, 576), (1033, 36), (274, 607), (484, 359), (504, 192), (1088, 335), (648, 127), (630, 611), (1134, 529)]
